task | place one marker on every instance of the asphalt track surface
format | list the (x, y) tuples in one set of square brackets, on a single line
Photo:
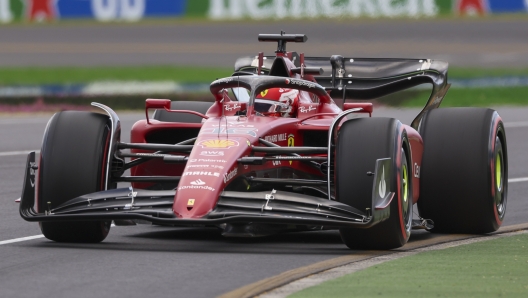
[(489, 42), (150, 261)]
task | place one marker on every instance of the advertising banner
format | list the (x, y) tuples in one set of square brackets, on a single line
[(102, 10), (134, 10), (254, 9), (481, 7)]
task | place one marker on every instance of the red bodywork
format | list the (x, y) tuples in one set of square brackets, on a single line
[(223, 138)]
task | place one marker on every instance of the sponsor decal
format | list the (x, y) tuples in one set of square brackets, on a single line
[(276, 162), (198, 182), (289, 157), (291, 143), (233, 107), (197, 166), (190, 202), (212, 153), (276, 138), (300, 83), (206, 160), (264, 93), (291, 140), (230, 175), (279, 9), (223, 81), (205, 166), (218, 144), (201, 173), (205, 187), (382, 188), (308, 109), (416, 170), (230, 131)]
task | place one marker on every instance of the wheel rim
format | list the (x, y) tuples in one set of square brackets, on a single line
[(499, 178), (405, 184), (406, 201)]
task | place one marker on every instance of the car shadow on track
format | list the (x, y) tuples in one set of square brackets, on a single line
[(210, 240)]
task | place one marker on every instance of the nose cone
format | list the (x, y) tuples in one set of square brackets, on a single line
[(211, 166)]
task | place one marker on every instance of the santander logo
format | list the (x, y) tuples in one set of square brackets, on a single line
[(198, 182)]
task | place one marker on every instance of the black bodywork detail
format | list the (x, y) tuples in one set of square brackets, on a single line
[(171, 135), (315, 138)]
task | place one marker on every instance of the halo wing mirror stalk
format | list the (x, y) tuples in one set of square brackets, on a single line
[(152, 103)]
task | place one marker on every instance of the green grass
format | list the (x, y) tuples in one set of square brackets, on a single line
[(465, 73), (414, 98), (496, 268), (64, 75), (68, 75)]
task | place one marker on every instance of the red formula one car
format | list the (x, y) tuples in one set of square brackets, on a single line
[(275, 153)]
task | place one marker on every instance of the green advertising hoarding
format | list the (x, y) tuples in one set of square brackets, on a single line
[(264, 9), (11, 10)]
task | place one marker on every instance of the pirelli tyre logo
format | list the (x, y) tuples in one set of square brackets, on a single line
[(416, 170)]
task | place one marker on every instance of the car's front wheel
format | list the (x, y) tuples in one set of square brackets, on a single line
[(360, 143), (73, 158)]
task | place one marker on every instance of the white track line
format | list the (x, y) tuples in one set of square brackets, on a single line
[(513, 180), (13, 153), (21, 239)]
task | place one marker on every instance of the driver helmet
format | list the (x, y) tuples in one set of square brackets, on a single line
[(287, 99)]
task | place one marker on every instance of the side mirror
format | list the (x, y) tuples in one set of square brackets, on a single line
[(152, 103)]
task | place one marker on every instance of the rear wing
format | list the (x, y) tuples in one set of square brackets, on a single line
[(369, 78)]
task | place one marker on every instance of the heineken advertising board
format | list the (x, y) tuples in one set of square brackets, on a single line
[(134, 10)]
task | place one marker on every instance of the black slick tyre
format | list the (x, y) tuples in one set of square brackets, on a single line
[(73, 158), (464, 174), (197, 106), (359, 144)]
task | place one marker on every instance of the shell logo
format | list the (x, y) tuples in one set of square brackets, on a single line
[(218, 144)]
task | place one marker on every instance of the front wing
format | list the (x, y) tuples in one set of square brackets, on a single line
[(276, 207)]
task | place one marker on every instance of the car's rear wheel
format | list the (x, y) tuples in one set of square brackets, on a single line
[(72, 164), (359, 144), (197, 106), (464, 174)]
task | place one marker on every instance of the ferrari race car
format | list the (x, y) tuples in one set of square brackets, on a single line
[(289, 144)]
